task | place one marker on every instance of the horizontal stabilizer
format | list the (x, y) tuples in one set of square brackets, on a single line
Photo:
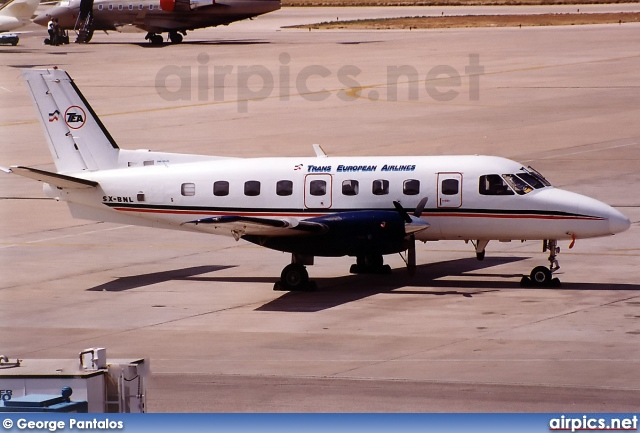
[(55, 179)]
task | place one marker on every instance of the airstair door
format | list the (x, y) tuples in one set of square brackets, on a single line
[(86, 6)]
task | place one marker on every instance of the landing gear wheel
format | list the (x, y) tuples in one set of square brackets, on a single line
[(541, 276), (175, 37), (371, 264), (154, 39), (87, 38), (480, 256), (294, 277)]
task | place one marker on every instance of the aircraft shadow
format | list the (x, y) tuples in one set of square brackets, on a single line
[(339, 291), (137, 281), (333, 292), (146, 44)]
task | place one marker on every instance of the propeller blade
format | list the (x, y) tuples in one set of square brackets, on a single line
[(420, 207), (403, 213)]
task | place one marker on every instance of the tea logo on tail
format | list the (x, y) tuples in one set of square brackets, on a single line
[(75, 117)]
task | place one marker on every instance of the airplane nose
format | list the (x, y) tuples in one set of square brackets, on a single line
[(618, 222)]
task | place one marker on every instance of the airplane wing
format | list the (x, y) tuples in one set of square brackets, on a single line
[(271, 227)]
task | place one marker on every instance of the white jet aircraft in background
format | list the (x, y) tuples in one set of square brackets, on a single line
[(363, 207), (13, 15)]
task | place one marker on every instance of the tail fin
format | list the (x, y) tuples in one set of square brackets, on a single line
[(20, 9), (77, 139)]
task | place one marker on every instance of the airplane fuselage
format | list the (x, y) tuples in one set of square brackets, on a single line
[(156, 16), (458, 206)]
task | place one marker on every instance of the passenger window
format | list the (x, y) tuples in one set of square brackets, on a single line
[(411, 187), (493, 184), (130, 7), (150, 7), (140, 7), (188, 189), (120, 7), (110, 7), (380, 187), (252, 188), (284, 187), (350, 187), (100, 7), (221, 188), (450, 187), (317, 187)]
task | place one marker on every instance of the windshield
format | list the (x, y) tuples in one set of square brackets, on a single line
[(535, 173), (522, 183), (517, 184)]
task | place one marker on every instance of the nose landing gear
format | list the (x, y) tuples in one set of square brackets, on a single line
[(541, 275)]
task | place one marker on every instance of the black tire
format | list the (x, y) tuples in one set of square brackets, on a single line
[(175, 37), (480, 255), (541, 276), (374, 261), (526, 282), (156, 40), (294, 277)]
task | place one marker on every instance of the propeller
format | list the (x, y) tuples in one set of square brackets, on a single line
[(415, 224)]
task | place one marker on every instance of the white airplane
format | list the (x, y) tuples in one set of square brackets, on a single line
[(13, 15), (364, 207)]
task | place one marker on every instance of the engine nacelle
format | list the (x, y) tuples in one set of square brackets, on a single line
[(350, 234)]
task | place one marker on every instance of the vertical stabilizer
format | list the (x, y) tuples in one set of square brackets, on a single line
[(77, 139), (20, 9)]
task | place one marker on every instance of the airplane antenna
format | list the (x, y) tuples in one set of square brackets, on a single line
[(320, 153)]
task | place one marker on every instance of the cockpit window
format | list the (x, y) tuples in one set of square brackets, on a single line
[(535, 173), (518, 185), (522, 182), (531, 180), (494, 184)]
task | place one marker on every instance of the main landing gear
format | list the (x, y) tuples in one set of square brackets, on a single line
[(542, 275), (174, 37), (154, 39), (294, 277), (370, 264)]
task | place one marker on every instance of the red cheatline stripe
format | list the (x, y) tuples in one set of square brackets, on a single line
[(529, 216)]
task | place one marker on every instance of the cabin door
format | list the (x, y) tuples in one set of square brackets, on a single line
[(449, 190), (86, 6)]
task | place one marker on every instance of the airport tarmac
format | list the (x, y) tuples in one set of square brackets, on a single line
[(459, 336)]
